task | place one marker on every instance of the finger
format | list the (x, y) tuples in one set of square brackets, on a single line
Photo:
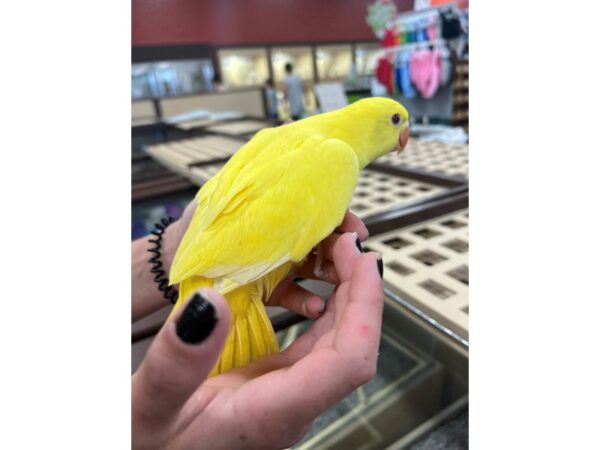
[(352, 223), (307, 270), (326, 375), (180, 358), (359, 328), (296, 395), (344, 251), (316, 333), (297, 299)]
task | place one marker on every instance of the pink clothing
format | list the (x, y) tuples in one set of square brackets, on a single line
[(425, 71)]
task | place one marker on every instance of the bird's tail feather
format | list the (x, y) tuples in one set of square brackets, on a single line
[(251, 333)]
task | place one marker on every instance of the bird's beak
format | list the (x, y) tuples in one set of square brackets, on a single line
[(403, 140)]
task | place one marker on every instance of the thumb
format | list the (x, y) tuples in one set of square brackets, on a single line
[(180, 358)]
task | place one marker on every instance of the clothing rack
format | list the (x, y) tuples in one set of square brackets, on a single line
[(422, 13), (407, 46)]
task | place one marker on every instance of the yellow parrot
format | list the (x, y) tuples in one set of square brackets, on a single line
[(279, 196)]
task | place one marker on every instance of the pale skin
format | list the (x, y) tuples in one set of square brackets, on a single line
[(270, 403)]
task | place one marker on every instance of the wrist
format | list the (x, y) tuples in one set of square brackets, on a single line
[(171, 239)]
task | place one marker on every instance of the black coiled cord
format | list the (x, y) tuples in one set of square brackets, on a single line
[(160, 276)]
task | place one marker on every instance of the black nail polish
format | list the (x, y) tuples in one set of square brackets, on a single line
[(358, 245), (380, 266), (197, 320)]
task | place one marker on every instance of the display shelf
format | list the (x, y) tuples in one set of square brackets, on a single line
[(427, 264), (239, 127), (461, 84), (460, 106), (460, 116), (179, 155), (199, 175), (158, 187), (193, 124), (377, 191), (431, 156)]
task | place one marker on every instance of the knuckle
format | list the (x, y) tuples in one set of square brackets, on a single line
[(360, 370), (364, 372), (295, 436)]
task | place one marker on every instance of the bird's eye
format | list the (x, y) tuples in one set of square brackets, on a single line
[(396, 120)]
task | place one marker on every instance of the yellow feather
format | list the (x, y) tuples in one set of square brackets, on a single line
[(277, 197)]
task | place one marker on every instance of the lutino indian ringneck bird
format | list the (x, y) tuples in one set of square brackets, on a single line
[(276, 199)]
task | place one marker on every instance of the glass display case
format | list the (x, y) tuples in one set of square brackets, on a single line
[(300, 57), (334, 62), (244, 66), (366, 55), (421, 383), (171, 78)]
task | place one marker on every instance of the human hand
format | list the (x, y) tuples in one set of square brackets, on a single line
[(271, 402)]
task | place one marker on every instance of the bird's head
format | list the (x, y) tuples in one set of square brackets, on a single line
[(373, 127)]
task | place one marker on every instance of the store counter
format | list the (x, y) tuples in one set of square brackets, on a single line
[(143, 113), (247, 101)]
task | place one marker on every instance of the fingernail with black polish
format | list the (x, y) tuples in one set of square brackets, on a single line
[(197, 321), (358, 244), (380, 265)]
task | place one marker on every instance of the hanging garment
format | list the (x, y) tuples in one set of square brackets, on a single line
[(400, 35), (446, 66), (403, 75), (425, 71), (412, 36), (432, 32), (384, 74), (377, 89), (422, 30), (451, 28), (389, 38)]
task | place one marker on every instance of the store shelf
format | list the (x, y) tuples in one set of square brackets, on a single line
[(181, 154), (239, 127), (426, 263), (193, 124), (460, 115), (431, 156), (461, 84), (462, 68), (199, 175), (377, 192), (166, 185), (460, 108)]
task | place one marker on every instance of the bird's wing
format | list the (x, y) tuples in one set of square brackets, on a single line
[(266, 210)]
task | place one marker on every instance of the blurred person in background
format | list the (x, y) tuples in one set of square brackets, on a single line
[(271, 99), (292, 88), (217, 83)]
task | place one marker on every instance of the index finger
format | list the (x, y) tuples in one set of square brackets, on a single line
[(298, 394), (359, 328), (353, 223)]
